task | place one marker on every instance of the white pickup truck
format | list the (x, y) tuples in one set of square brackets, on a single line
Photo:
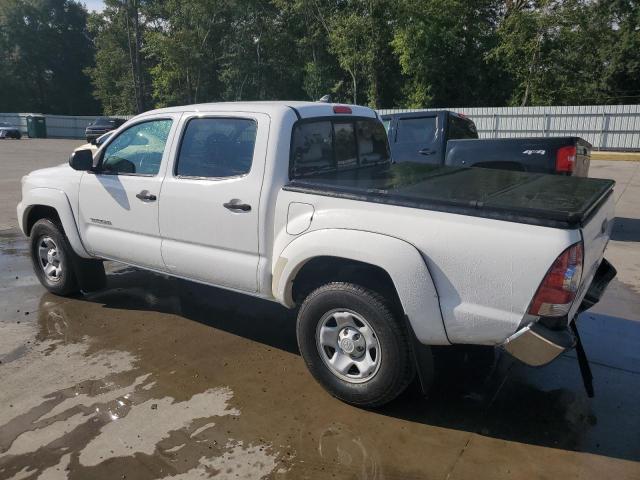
[(300, 203)]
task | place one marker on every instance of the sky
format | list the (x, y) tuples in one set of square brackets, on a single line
[(97, 5)]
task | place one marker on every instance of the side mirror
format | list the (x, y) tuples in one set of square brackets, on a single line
[(94, 141), (81, 160)]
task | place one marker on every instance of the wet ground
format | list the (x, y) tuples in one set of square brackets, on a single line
[(156, 377)]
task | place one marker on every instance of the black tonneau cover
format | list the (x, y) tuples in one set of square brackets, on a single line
[(537, 199)]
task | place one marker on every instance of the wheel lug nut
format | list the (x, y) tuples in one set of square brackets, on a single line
[(360, 348), (356, 336)]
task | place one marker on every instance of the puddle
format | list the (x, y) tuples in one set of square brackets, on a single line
[(74, 400)]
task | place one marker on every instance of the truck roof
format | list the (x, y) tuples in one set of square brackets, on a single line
[(302, 109)]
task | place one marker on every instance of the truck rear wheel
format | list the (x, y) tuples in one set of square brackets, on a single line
[(353, 344)]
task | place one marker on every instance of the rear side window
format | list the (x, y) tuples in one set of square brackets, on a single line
[(217, 147), (330, 145), (460, 128), (416, 130)]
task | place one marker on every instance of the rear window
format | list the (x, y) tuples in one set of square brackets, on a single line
[(460, 128), (331, 145)]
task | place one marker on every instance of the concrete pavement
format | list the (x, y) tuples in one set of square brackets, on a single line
[(159, 378)]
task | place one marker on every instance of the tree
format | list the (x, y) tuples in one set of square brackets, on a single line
[(443, 47), (45, 47), (620, 52), (570, 52), (185, 50)]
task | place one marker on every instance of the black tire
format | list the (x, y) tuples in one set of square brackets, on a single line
[(66, 282), (396, 368)]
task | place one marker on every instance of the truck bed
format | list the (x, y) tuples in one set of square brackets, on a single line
[(521, 197)]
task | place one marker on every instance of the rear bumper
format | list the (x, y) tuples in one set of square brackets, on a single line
[(537, 344)]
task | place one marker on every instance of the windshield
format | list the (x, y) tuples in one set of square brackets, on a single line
[(104, 122)]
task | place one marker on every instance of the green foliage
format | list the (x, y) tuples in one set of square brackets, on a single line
[(44, 46), (111, 75), (443, 48), (140, 54)]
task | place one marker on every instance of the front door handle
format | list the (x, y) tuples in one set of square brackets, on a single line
[(145, 196), (236, 205), (426, 151)]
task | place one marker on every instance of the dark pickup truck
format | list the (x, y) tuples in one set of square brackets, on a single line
[(448, 138)]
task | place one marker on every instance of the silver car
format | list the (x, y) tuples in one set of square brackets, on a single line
[(9, 131)]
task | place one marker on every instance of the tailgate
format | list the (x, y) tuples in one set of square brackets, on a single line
[(595, 235)]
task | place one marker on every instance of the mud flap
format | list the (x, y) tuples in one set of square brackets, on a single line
[(89, 273), (583, 362), (423, 359)]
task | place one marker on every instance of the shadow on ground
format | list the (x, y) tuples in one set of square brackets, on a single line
[(626, 229), (476, 389)]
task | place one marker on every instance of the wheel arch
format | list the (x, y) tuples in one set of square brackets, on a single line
[(52, 204), (379, 260)]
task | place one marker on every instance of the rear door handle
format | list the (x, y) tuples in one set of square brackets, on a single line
[(145, 196), (426, 151), (235, 205)]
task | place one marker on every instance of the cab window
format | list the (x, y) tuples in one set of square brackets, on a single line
[(332, 145), (217, 147), (417, 130), (138, 150), (461, 128)]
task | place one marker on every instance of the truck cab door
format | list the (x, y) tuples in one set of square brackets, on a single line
[(416, 139), (209, 214), (118, 201)]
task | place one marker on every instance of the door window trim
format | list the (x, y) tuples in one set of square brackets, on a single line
[(183, 131), (98, 168)]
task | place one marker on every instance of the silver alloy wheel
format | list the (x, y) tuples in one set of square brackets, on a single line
[(50, 261), (348, 346)]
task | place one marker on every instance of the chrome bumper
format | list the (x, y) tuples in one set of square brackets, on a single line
[(537, 345)]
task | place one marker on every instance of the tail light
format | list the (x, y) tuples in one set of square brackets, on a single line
[(558, 289), (566, 159)]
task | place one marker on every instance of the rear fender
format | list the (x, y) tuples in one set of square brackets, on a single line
[(57, 199), (401, 260)]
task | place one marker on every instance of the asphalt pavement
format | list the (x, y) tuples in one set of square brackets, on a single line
[(160, 378)]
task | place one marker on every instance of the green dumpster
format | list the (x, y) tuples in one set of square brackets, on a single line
[(36, 126)]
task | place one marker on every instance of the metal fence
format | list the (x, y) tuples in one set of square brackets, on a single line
[(58, 126), (606, 127)]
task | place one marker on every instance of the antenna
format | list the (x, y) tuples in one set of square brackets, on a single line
[(325, 99)]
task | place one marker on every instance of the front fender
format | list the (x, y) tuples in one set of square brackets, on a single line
[(52, 197), (401, 260)]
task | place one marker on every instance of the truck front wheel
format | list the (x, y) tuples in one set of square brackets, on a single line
[(354, 345), (51, 255)]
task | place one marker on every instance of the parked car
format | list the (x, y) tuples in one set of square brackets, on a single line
[(9, 131), (96, 144), (299, 203), (448, 138), (100, 126)]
